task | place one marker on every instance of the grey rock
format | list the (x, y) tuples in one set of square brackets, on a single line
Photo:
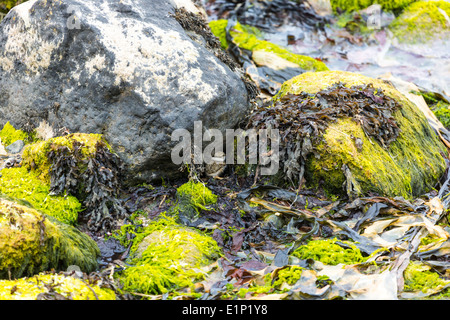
[(126, 69), (15, 147)]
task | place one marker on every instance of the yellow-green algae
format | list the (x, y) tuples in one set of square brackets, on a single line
[(410, 166), (10, 135), (31, 242), (198, 194), (29, 288), (422, 21), (355, 5), (442, 112), (247, 38), (328, 252), (35, 156), (166, 256), (287, 275), (19, 183), (418, 277)]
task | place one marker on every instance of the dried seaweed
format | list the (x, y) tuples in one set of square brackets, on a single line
[(303, 118)]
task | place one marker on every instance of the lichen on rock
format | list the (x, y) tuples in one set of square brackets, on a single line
[(31, 242), (351, 155)]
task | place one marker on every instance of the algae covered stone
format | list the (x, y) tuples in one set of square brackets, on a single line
[(166, 257), (48, 286), (376, 141), (21, 184), (31, 242), (423, 21)]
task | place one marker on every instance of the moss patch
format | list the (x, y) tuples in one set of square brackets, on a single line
[(410, 166), (442, 112), (166, 257), (18, 183), (31, 242), (328, 252), (248, 38), (418, 277), (10, 135), (53, 287), (355, 5), (422, 21)]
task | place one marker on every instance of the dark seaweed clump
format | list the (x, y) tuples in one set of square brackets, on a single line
[(303, 118), (95, 180)]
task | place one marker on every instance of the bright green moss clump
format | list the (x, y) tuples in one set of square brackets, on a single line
[(70, 288), (31, 242), (410, 166), (328, 252), (423, 21), (248, 38), (355, 5), (442, 112), (9, 134), (20, 184), (199, 195), (166, 257), (418, 277)]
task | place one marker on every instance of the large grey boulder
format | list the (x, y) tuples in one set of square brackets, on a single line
[(126, 69)]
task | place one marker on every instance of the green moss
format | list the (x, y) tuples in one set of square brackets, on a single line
[(289, 275), (248, 38), (410, 166), (422, 21), (31, 242), (18, 183), (328, 252), (69, 287), (166, 257), (418, 277), (9, 135), (442, 112), (200, 196), (218, 29), (35, 156), (355, 5)]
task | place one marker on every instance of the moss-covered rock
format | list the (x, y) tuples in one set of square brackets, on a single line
[(19, 183), (31, 242), (355, 5), (36, 156), (249, 38), (410, 165), (423, 21), (45, 286), (166, 256)]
